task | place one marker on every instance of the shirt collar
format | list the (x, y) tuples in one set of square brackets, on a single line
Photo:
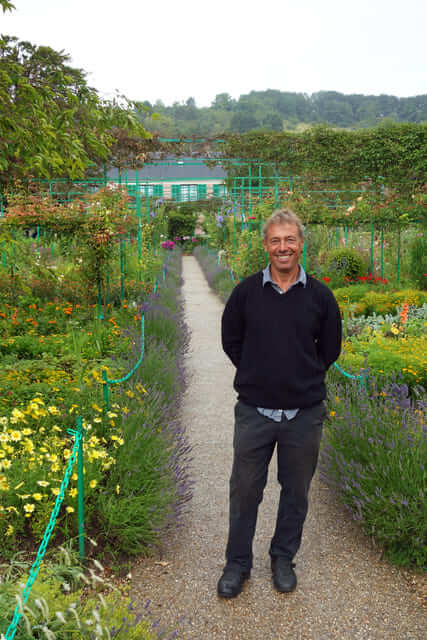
[(266, 276)]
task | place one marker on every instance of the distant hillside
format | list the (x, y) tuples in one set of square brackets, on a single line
[(279, 110)]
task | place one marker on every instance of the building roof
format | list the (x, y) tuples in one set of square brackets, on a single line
[(179, 168)]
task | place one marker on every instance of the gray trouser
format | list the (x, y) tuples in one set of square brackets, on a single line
[(255, 437)]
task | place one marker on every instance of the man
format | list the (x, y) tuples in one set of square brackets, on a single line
[(281, 329)]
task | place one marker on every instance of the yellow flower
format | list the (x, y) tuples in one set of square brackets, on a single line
[(28, 508), (95, 406), (37, 496), (117, 489), (395, 330), (55, 491), (74, 476), (53, 410), (69, 509), (43, 483), (15, 436), (17, 416), (97, 420), (4, 437), (93, 484), (5, 464), (73, 492), (9, 530), (130, 394), (4, 486), (27, 432)]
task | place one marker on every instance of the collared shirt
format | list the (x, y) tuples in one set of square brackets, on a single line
[(277, 414)]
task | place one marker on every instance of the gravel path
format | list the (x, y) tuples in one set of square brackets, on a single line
[(345, 591)]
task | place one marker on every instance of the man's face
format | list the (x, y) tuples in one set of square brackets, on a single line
[(284, 247)]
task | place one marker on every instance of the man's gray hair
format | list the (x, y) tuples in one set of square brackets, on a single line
[(283, 216)]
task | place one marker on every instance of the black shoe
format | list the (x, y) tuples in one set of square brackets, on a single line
[(231, 582), (284, 578)]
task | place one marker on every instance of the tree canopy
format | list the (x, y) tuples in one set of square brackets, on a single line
[(282, 110), (52, 123)]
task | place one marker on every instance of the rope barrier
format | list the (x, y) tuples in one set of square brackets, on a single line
[(108, 382), (361, 377), (78, 435)]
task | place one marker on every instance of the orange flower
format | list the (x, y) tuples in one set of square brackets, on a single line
[(404, 314)]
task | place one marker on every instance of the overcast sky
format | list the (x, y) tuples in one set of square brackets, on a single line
[(169, 50)]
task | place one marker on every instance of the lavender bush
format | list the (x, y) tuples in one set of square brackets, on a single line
[(150, 483), (217, 275), (374, 454)]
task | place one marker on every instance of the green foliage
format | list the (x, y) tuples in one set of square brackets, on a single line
[(418, 261), (63, 610), (181, 222), (344, 263), (53, 124), (374, 453), (275, 110), (396, 152), (6, 5)]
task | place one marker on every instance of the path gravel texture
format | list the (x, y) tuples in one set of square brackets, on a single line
[(345, 591)]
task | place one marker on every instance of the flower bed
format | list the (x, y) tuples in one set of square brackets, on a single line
[(53, 352), (374, 455)]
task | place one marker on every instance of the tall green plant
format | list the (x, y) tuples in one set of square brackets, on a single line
[(418, 261)]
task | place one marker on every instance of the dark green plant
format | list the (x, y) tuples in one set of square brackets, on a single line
[(181, 222), (418, 261), (345, 263)]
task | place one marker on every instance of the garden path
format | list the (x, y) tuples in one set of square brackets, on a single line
[(345, 591)]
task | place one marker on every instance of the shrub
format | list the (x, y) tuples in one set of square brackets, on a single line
[(64, 614), (181, 223), (374, 454), (418, 262), (345, 263), (218, 276)]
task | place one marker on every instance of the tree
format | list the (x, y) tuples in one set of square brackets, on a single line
[(243, 121), (6, 5), (272, 121), (53, 124), (223, 101)]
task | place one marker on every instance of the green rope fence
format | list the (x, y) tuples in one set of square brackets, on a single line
[(108, 382), (77, 451), (361, 377)]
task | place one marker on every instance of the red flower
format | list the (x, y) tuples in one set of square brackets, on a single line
[(326, 279)]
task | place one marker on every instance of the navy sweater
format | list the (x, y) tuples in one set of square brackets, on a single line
[(281, 345)]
